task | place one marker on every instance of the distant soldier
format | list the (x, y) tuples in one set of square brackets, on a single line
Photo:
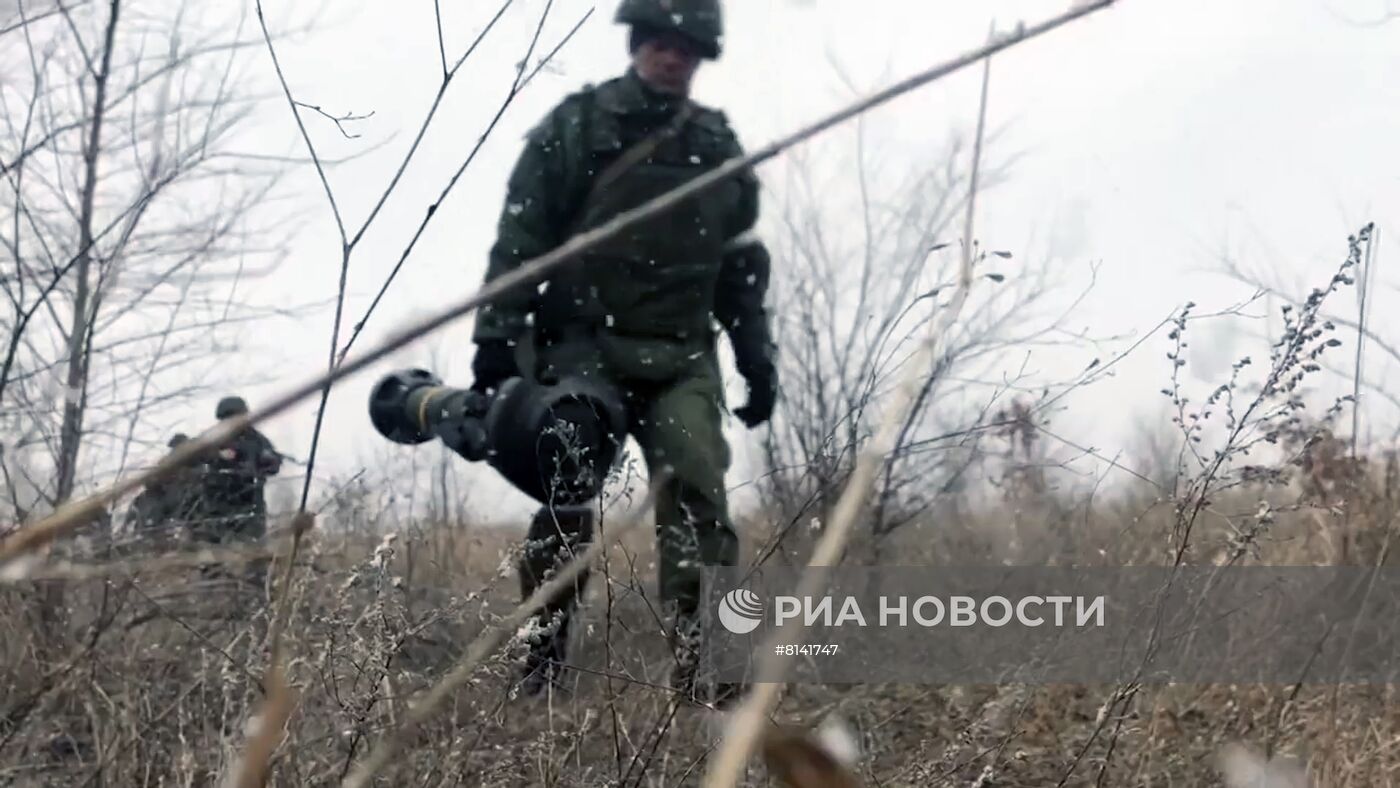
[(167, 506), (232, 505)]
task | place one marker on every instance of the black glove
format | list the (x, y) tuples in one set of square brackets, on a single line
[(763, 394), (270, 463), (494, 363)]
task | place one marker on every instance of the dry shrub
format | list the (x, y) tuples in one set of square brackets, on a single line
[(150, 676), (163, 670)]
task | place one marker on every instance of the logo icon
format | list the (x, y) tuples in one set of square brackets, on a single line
[(740, 611)]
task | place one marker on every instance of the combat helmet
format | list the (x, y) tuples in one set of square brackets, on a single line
[(698, 20), (230, 406)]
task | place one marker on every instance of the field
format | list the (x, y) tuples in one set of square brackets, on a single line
[(152, 676), (925, 348)]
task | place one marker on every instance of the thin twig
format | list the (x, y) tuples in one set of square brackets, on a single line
[(306, 137), (511, 95), (63, 570), (972, 178), (271, 720), (26, 21), (302, 523), (442, 48), (279, 699), (338, 120), (200, 636), (345, 250), (493, 638), (1363, 294), (427, 121)]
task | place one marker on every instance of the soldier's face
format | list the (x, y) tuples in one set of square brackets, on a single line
[(667, 62)]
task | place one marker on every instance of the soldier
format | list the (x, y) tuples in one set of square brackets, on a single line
[(233, 506), (639, 309), (165, 507)]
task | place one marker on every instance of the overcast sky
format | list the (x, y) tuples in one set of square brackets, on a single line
[(1155, 139)]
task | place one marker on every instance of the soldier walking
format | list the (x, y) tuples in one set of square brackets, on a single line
[(233, 506), (639, 310)]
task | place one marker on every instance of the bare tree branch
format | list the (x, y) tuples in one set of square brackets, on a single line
[(338, 120)]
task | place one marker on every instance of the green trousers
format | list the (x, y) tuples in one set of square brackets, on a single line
[(675, 404)]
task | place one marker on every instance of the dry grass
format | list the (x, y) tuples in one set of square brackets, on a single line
[(153, 675)]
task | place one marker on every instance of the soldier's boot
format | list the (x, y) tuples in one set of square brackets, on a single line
[(556, 534), (687, 679), (702, 537), (547, 657), (685, 650)]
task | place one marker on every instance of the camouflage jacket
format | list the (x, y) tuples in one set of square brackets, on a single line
[(170, 502), (716, 272), (234, 477)]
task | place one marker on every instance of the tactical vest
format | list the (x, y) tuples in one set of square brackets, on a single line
[(647, 292)]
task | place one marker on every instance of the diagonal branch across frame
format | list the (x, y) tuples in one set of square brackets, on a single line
[(70, 517)]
